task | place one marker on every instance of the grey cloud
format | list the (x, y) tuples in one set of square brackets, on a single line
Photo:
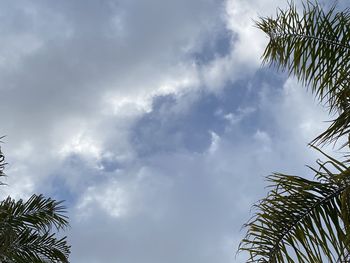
[(182, 208), (62, 59), (129, 199), (79, 60), (181, 123)]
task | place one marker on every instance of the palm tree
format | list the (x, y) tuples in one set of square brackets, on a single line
[(304, 220), (26, 229)]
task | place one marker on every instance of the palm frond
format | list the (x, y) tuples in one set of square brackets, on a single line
[(315, 47), (30, 246), (37, 212), (303, 220), (25, 230), (2, 162)]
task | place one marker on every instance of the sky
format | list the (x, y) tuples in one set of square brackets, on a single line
[(154, 121)]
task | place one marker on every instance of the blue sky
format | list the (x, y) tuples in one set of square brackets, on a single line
[(153, 120)]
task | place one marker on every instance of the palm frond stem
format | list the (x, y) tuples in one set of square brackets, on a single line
[(274, 35), (305, 214)]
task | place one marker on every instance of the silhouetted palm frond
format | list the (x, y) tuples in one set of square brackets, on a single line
[(25, 231), (315, 47), (303, 220)]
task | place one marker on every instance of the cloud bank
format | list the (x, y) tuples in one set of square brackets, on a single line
[(153, 120)]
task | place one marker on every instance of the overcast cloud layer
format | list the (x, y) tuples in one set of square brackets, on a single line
[(152, 119)]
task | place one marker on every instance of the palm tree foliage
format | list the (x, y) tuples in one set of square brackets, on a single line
[(315, 47), (304, 220), (26, 229)]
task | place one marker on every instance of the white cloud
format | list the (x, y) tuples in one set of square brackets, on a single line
[(264, 141), (81, 145), (236, 117), (215, 141), (111, 198)]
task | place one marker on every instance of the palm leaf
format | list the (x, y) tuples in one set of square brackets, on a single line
[(25, 231), (315, 47), (2, 162), (37, 212), (303, 220), (30, 246)]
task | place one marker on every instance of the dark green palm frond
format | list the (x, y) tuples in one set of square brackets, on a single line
[(303, 220), (38, 212), (30, 246), (315, 47), (25, 230)]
